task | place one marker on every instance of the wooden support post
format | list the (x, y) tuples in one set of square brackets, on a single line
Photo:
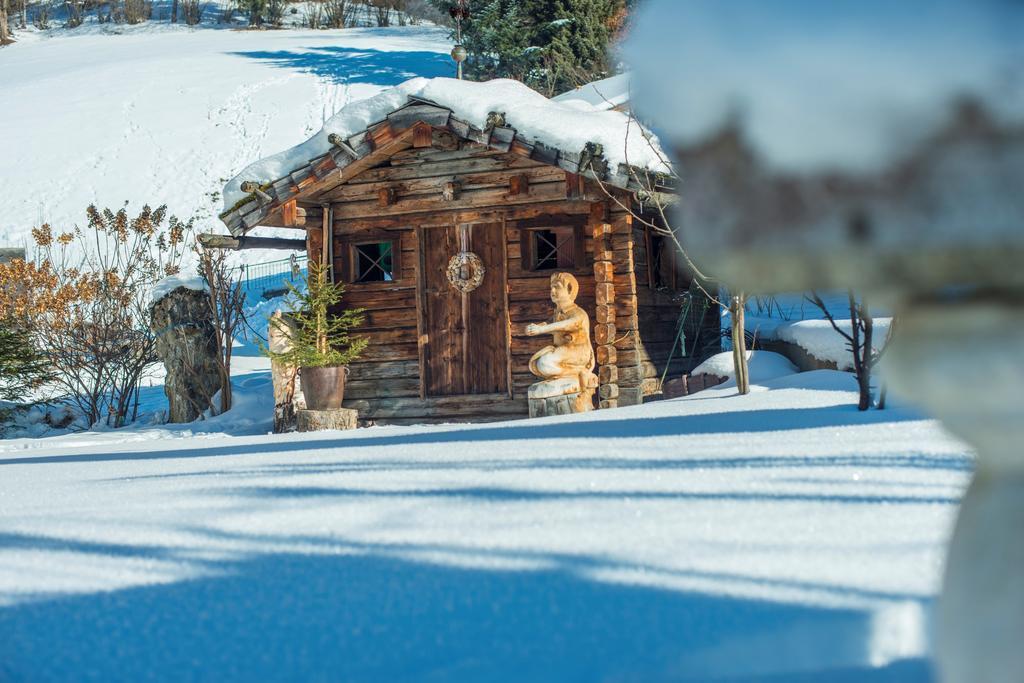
[(327, 252)]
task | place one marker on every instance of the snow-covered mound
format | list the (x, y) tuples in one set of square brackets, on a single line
[(762, 366), (534, 116), (819, 339)]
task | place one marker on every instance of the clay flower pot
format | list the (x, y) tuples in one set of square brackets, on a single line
[(324, 388)]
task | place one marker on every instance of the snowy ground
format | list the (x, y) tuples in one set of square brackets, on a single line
[(781, 536), (166, 115)]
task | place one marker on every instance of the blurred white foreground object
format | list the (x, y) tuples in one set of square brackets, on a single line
[(877, 146)]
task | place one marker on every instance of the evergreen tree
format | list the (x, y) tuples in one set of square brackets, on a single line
[(321, 337), (551, 45), (22, 367)]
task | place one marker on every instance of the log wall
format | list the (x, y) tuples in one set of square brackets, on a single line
[(390, 202)]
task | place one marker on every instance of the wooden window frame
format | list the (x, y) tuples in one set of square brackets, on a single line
[(350, 257), (575, 239)]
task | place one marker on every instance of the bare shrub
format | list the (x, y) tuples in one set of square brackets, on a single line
[(75, 13), (275, 12), (382, 11), (192, 12), (418, 11), (227, 299), (85, 298), (339, 13), (860, 342), (313, 14), (41, 18), (137, 11)]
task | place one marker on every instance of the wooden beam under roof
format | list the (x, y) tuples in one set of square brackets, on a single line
[(209, 241)]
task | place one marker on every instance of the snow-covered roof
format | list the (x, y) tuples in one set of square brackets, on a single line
[(502, 114), (602, 95)]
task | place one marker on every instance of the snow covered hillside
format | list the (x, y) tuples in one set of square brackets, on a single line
[(781, 536), (164, 114)]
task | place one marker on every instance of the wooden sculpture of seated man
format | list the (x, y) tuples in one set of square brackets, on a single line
[(567, 366)]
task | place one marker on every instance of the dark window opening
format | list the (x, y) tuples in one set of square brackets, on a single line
[(662, 262), (374, 262), (553, 248)]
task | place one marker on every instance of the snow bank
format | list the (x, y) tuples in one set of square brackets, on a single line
[(602, 95), (173, 282), (534, 116), (818, 338), (762, 365)]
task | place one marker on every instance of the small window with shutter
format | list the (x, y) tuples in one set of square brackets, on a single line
[(373, 262), (552, 248)]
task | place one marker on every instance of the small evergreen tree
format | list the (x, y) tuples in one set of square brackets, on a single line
[(22, 367), (320, 337)]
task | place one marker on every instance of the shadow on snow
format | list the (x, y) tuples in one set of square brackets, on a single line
[(357, 65), (735, 422), (359, 612)]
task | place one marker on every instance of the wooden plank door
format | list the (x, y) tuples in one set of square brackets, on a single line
[(463, 336)]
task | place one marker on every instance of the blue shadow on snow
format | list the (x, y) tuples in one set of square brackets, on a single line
[(357, 65), (365, 614), (735, 422)]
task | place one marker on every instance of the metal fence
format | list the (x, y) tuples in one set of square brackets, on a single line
[(273, 275)]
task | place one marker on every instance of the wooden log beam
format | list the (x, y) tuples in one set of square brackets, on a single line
[(210, 241)]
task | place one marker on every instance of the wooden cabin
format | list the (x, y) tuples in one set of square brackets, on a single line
[(388, 207)]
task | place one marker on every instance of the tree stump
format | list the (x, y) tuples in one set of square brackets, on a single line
[(318, 420), (562, 396), (186, 342), (554, 405)]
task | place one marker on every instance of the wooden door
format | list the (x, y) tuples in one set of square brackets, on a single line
[(464, 337)]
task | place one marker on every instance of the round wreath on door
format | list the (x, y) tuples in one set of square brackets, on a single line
[(466, 271)]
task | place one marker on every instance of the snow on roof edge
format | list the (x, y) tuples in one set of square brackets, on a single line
[(535, 117)]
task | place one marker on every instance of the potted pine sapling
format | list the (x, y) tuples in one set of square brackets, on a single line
[(321, 343)]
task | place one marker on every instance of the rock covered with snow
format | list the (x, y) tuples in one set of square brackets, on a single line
[(762, 366), (173, 282), (557, 124)]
